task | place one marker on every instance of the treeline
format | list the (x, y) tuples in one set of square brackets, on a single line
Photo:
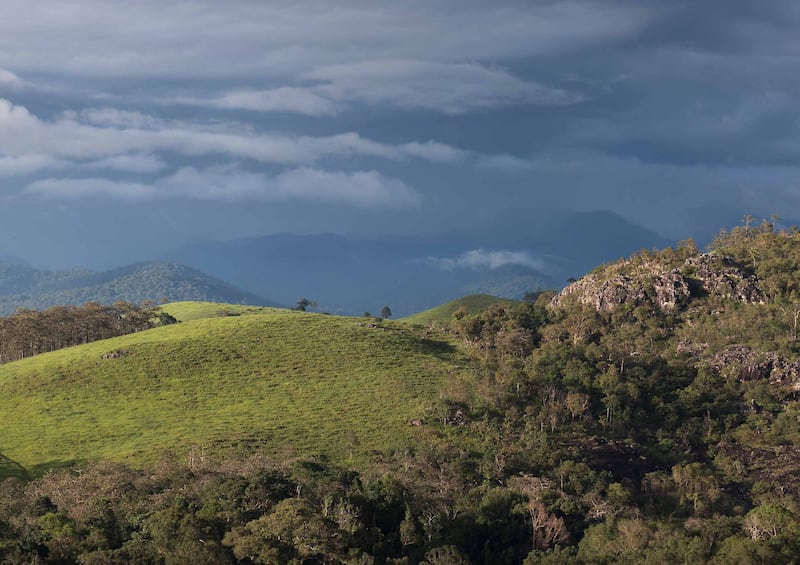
[(253, 511), (31, 332)]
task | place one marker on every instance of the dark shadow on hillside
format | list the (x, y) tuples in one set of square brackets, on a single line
[(436, 347), (10, 468), (422, 342), (36, 471)]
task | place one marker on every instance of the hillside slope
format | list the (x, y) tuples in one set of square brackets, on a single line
[(321, 384), (189, 310), (473, 304)]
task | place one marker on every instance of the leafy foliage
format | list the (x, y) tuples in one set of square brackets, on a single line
[(29, 332)]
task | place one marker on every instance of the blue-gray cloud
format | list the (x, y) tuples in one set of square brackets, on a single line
[(451, 114), (362, 189), (490, 259)]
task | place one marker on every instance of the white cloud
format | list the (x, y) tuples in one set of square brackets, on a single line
[(26, 164), (549, 164), (73, 189), (282, 99), (489, 259), (214, 184), (452, 88), (362, 189), (108, 133), (9, 78), (507, 163), (143, 164), (116, 118)]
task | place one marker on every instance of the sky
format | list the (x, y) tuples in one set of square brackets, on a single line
[(127, 129)]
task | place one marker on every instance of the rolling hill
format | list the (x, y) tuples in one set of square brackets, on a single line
[(26, 287), (188, 310), (473, 304), (322, 384), (647, 413)]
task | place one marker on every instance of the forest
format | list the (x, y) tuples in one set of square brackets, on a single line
[(31, 332), (648, 413)]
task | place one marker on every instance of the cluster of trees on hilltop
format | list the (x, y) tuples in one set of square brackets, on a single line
[(31, 332), (651, 431)]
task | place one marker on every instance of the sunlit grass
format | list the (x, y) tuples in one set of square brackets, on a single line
[(188, 310), (322, 384), (474, 304)]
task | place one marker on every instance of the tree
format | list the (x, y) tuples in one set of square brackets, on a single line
[(304, 304), (386, 312), (166, 319)]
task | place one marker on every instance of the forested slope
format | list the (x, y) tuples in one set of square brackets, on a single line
[(26, 287)]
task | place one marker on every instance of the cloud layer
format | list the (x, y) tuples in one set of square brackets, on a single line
[(451, 88), (239, 38), (107, 132), (253, 117), (362, 189), (482, 259)]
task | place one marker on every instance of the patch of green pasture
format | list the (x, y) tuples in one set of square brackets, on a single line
[(322, 384), (473, 303), (187, 311)]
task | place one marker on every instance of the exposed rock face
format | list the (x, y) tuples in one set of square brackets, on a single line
[(721, 276), (664, 288), (115, 354), (671, 290), (744, 364), (604, 296)]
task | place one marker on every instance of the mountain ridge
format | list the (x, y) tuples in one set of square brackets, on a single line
[(157, 281)]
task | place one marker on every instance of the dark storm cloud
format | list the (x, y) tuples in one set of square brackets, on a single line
[(252, 117)]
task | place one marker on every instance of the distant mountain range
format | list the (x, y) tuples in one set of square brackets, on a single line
[(353, 275), (349, 275), (26, 287)]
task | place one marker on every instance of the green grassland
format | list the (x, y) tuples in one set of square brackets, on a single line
[(187, 311), (336, 386), (474, 304)]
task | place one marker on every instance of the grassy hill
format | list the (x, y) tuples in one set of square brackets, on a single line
[(26, 287), (474, 304), (322, 384), (187, 310)]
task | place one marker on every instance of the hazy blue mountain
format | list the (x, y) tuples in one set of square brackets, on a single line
[(26, 287), (353, 275), (13, 260)]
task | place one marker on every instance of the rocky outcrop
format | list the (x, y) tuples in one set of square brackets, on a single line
[(670, 290), (604, 296), (721, 276), (115, 354), (667, 289), (745, 364)]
